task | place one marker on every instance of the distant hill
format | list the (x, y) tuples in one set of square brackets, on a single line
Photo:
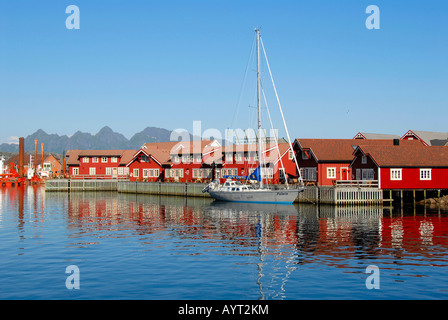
[(106, 138)]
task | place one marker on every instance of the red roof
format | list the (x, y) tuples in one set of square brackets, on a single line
[(124, 155), (341, 150), (407, 155)]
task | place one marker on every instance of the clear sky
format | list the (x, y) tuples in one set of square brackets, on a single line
[(163, 63)]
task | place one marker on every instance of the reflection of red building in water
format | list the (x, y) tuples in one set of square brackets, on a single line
[(334, 234)]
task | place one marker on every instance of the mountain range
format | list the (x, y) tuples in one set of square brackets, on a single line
[(105, 139)]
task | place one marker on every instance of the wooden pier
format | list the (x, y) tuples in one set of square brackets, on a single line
[(325, 195), (159, 188)]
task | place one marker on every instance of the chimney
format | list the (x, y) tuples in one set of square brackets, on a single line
[(21, 156), (42, 150), (35, 157), (396, 142)]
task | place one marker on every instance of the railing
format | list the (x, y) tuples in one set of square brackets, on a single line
[(357, 183), (350, 194)]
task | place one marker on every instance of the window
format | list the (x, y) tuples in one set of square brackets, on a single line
[(104, 159), (281, 173), (304, 155), (144, 158), (229, 157), (368, 174), (331, 173), (135, 173), (237, 156), (308, 173), (176, 159), (95, 159), (120, 170), (156, 173), (290, 155), (114, 159), (395, 174), (85, 160), (364, 160), (425, 174), (92, 171), (75, 171), (108, 171), (126, 170), (145, 173), (195, 173), (197, 158)]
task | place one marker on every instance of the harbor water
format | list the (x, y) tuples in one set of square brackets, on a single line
[(110, 245)]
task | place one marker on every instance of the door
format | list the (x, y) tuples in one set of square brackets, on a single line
[(345, 173)]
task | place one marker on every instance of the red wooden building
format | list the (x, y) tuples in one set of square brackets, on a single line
[(403, 166), (324, 161), (242, 160), (194, 161), (98, 163), (150, 161)]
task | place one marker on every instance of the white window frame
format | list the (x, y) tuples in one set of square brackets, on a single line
[(396, 174), (75, 171), (425, 174), (103, 159), (108, 171), (85, 160), (238, 156), (331, 173), (135, 173), (95, 160), (120, 171), (92, 171), (290, 155), (114, 159), (229, 157)]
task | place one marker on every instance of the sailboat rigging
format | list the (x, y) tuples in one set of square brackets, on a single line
[(235, 191)]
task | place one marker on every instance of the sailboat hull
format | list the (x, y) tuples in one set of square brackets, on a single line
[(257, 196)]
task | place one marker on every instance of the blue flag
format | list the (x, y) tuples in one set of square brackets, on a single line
[(255, 175)]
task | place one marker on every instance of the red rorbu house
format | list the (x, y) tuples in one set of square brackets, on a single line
[(242, 160), (324, 161), (403, 166), (193, 161), (183, 161), (98, 163), (150, 161)]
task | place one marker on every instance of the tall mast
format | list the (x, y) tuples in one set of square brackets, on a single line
[(259, 106)]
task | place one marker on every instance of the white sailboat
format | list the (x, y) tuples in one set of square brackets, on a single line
[(235, 191)]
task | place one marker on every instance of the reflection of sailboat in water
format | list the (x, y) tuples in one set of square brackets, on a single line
[(253, 208), (276, 258)]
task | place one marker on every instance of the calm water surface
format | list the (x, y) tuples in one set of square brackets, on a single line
[(152, 247)]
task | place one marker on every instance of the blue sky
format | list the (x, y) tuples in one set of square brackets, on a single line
[(134, 64)]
